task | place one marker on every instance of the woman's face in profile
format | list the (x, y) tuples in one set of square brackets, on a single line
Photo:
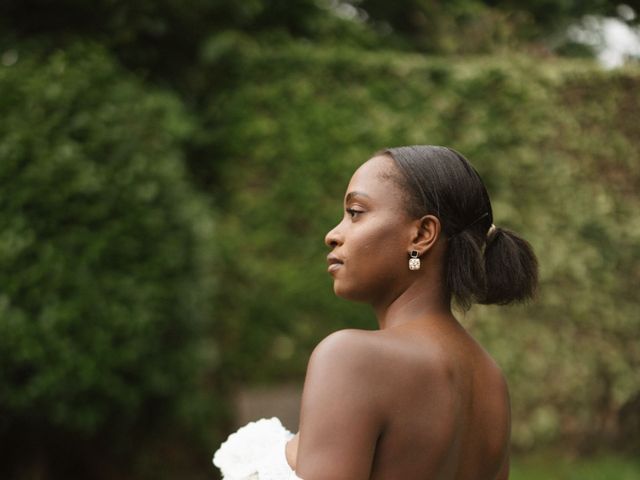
[(370, 246)]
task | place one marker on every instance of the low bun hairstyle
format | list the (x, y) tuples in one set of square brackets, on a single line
[(483, 263)]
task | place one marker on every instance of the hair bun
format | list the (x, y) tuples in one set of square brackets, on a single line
[(511, 268)]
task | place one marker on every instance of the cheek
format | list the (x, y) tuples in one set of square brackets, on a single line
[(383, 241), (376, 260)]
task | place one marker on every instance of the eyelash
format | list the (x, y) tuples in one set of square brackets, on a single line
[(353, 212)]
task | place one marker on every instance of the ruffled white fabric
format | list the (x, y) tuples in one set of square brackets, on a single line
[(256, 452)]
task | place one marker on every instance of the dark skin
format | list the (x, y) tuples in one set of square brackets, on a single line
[(417, 399)]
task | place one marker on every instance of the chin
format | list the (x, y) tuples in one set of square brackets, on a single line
[(351, 294)]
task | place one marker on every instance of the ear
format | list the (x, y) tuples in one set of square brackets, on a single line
[(426, 233)]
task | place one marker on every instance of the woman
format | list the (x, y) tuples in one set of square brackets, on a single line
[(419, 398)]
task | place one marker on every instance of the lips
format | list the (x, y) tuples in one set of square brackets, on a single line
[(334, 263)]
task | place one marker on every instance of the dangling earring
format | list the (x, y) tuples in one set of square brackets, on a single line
[(414, 261)]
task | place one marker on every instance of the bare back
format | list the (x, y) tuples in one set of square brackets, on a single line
[(444, 403), (448, 407)]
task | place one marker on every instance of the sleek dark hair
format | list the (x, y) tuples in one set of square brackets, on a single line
[(481, 266)]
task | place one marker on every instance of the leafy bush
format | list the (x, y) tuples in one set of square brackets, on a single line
[(105, 254)]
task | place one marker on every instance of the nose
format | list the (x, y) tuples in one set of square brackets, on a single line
[(333, 238)]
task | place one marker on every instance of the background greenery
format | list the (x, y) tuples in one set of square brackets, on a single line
[(168, 172)]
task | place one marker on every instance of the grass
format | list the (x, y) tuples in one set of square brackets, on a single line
[(549, 466)]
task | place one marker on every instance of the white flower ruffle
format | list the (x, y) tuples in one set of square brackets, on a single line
[(256, 452)]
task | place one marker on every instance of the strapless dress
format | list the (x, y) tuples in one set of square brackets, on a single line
[(256, 452)]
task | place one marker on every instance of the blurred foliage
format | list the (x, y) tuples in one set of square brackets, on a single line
[(557, 145), (105, 262), (551, 466), (164, 39), (116, 159), (473, 26)]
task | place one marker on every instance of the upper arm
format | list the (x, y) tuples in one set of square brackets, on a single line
[(340, 418)]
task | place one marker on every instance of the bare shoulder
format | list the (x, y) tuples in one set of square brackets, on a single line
[(347, 363), (378, 353), (343, 342), (348, 352)]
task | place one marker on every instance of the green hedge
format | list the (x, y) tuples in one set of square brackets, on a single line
[(557, 145), (107, 251), (105, 256)]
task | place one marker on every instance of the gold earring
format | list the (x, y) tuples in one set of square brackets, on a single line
[(414, 261)]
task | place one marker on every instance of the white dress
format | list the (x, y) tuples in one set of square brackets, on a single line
[(256, 452)]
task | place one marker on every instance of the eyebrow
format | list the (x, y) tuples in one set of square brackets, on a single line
[(351, 195)]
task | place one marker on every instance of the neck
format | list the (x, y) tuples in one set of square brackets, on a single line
[(416, 303)]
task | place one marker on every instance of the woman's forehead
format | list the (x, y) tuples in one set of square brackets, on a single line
[(374, 177), (375, 166)]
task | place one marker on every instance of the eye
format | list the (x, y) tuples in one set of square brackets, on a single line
[(353, 212)]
